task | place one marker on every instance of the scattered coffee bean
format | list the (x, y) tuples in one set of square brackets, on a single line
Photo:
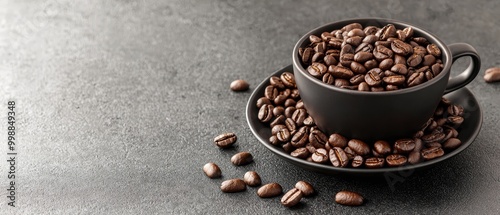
[(338, 157), (320, 156), (212, 170), (270, 190), (357, 161), (225, 140), (349, 198), (492, 74), (431, 153), (306, 188), (396, 160), (359, 147), (242, 158), (292, 197), (252, 179), (239, 85), (374, 162), (233, 186)]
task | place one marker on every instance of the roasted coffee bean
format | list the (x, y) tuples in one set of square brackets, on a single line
[(363, 86), (289, 111), (338, 157), (419, 50), (351, 26), (428, 60), (358, 68), (318, 138), (225, 140), (301, 152), (299, 115), (415, 79), (289, 102), (370, 30), (276, 82), (294, 93), (434, 50), (327, 36), (374, 162), (357, 161), (212, 170), (277, 112), (359, 147), (390, 87), (401, 35), (274, 140), (377, 89), (314, 39), (290, 124), (386, 64), (383, 43), (382, 147), (239, 85), (271, 92), (263, 100), (288, 79), (436, 69), (349, 152), (283, 135), (346, 60), (350, 87), (492, 74), (270, 190), (398, 59), (370, 64), (455, 110), (396, 160), (452, 143), (300, 138), (433, 144), (354, 41), (242, 158), (346, 49), (414, 157), (330, 60), (387, 31), (320, 156), (305, 187), (288, 147), (252, 179), (337, 140), (307, 55), (292, 197), (399, 69), (357, 79), (373, 77), (452, 130), (265, 113), (408, 32), (418, 134), (414, 60), (381, 52), (299, 105), (404, 145), (278, 120), (335, 43), (419, 144), (341, 82), (309, 121), (311, 149), (402, 48), (349, 198), (320, 48), (431, 153), (421, 40), (433, 137), (316, 69), (233, 186), (394, 79), (356, 32), (362, 56), (364, 47), (429, 75)]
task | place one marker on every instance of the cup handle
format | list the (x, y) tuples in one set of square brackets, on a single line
[(459, 50)]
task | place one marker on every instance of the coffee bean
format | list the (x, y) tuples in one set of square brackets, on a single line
[(382, 147), (373, 77), (292, 197), (320, 48), (274, 140), (263, 100), (349, 198), (431, 153), (399, 69), (251, 178), (316, 69), (415, 79), (370, 64), (288, 147), (429, 60), (354, 41), (289, 111), (233, 186), (386, 64), (362, 56), (318, 138), (338, 157), (290, 102), (276, 82), (212, 170), (283, 135), (270, 190), (383, 43), (374, 162), (326, 36), (299, 115), (307, 55), (239, 85), (414, 157), (455, 110), (434, 50), (387, 32), (390, 87), (328, 79), (314, 39), (359, 147), (381, 52), (300, 153), (341, 83), (337, 140), (364, 47), (271, 92), (305, 187), (396, 160), (300, 138), (370, 30), (278, 112), (452, 143), (346, 59), (225, 140), (402, 48), (414, 60), (335, 43), (357, 161), (288, 79), (330, 60), (433, 144), (265, 113), (357, 68), (421, 41), (436, 69), (492, 74), (320, 156), (394, 80), (357, 79), (404, 145), (433, 137), (242, 158), (280, 99)]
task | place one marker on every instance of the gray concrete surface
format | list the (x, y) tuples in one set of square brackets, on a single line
[(117, 103)]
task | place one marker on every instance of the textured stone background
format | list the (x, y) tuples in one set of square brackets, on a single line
[(118, 102)]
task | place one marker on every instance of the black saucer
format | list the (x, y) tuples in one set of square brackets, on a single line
[(467, 133)]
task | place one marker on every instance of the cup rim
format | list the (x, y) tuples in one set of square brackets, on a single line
[(445, 53)]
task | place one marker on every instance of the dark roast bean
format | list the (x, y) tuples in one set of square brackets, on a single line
[(212, 170), (263, 100), (382, 147), (398, 59), (351, 26), (362, 56), (452, 143), (346, 59), (337, 140), (429, 75), (356, 32), (288, 79), (320, 48), (292, 197), (335, 43), (421, 40), (251, 178), (270, 190), (278, 120), (374, 162), (401, 35), (278, 111), (283, 135), (326, 36), (386, 64), (350, 87), (299, 115), (400, 69), (364, 47), (370, 39), (290, 102), (239, 85), (357, 161), (363, 86), (358, 68), (274, 140), (300, 138), (330, 60), (359, 147), (294, 93), (242, 158), (289, 111), (233, 186), (383, 43), (328, 78), (318, 138), (433, 144), (357, 79), (396, 160), (349, 198), (309, 121), (271, 92), (434, 50), (307, 55), (290, 124), (436, 69), (455, 110), (320, 156), (225, 140), (299, 105), (265, 113), (306, 188), (395, 79), (370, 64), (316, 69), (288, 147), (300, 153), (415, 79), (346, 49), (404, 145), (419, 144), (419, 50), (354, 41), (372, 78), (431, 153), (414, 60), (349, 152), (436, 137), (428, 60), (402, 48), (414, 157), (314, 39), (338, 157), (276, 82), (390, 87), (387, 31), (377, 89), (408, 32), (370, 30), (341, 83), (381, 52), (340, 72)]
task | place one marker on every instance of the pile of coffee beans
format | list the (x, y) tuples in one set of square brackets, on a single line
[(371, 58), (295, 131)]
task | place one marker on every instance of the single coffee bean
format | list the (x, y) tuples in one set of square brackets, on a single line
[(359, 147), (381, 52), (386, 64), (280, 99), (337, 140), (233, 186), (274, 140), (271, 92), (328, 79), (290, 124), (370, 30), (402, 48), (358, 68), (373, 77), (362, 56), (292, 197), (382, 147), (276, 82), (327, 36), (305, 187), (383, 43), (239, 85), (307, 55), (270, 190), (288, 79), (316, 69), (289, 111), (212, 170), (265, 113), (251, 178), (414, 157), (276, 128), (299, 116), (431, 153), (492, 74), (356, 32), (349, 198), (317, 138), (452, 143), (300, 153), (391, 87), (283, 135), (320, 48), (354, 41), (300, 138), (349, 152), (436, 69), (335, 43), (364, 47), (394, 79), (434, 50), (399, 69), (433, 144), (357, 79), (330, 60), (288, 147), (225, 140), (415, 79), (290, 102), (314, 39), (357, 161), (363, 86), (455, 110), (396, 160), (433, 137), (263, 100), (370, 64), (404, 145), (338, 157), (421, 40), (408, 32), (278, 112), (428, 60), (398, 59), (242, 158), (320, 156), (374, 162), (387, 32), (419, 50), (414, 60)]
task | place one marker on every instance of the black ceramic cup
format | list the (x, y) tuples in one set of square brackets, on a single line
[(380, 115)]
